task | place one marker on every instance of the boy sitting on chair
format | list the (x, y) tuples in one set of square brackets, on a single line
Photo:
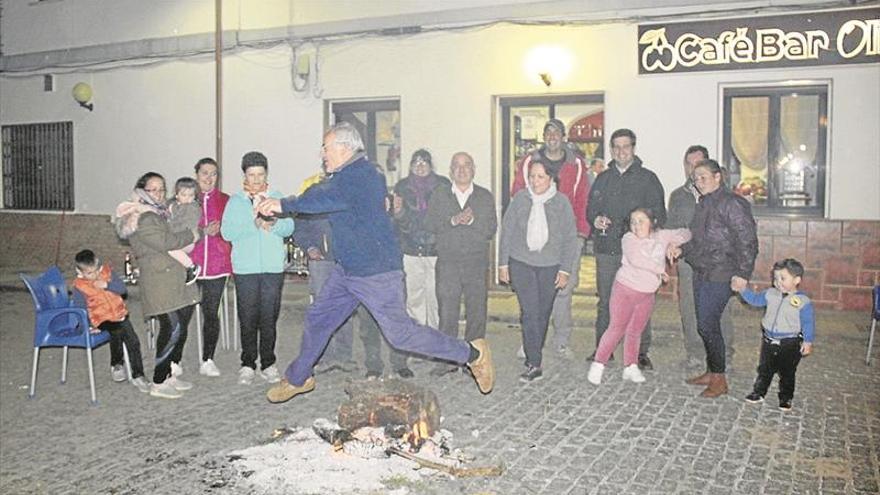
[(100, 291)]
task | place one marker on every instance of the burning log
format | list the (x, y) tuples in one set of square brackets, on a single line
[(391, 403)]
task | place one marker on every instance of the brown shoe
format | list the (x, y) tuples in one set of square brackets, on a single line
[(284, 391), (717, 386), (699, 379), (482, 368)]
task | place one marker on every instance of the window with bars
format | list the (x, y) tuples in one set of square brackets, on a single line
[(38, 166)]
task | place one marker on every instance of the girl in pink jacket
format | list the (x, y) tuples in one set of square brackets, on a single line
[(642, 270)]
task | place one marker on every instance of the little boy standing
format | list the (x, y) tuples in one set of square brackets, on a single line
[(100, 290), (788, 326)]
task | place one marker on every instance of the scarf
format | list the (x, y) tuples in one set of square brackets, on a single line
[(422, 188), (129, 212), (537, 231)]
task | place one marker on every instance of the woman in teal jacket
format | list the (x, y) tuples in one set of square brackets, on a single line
[(258, 257)]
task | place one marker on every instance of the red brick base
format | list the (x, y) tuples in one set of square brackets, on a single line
[(841, 258)]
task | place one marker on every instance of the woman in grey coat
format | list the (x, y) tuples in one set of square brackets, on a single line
[(163, 282), (538, 253)]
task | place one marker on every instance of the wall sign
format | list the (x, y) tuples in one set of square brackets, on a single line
[(819, 38)]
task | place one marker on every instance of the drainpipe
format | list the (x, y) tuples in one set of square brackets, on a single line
[(218, 90)]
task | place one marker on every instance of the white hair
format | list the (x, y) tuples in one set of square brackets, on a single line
[(346, 135)]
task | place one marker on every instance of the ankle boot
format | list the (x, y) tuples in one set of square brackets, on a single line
[(717, 386), (699, 379)]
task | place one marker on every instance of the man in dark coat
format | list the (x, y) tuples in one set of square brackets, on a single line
[(624, 186)]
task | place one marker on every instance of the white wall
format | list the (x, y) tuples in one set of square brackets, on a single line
[(161, 117)]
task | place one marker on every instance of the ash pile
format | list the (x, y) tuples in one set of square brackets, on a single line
[(387, 435)]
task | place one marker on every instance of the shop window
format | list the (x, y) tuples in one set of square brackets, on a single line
[(378, 122), (775, 147), (38, 166)]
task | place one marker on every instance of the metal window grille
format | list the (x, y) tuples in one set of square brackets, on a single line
[(38, 166)]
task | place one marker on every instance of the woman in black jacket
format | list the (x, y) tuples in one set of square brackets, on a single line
[(722, 253)]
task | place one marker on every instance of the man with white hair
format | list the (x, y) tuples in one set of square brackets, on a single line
[(369, 269)]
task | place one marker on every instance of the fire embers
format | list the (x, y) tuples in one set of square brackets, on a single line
[(374, 442)]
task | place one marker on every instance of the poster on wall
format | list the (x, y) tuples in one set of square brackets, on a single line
[(835, 37)]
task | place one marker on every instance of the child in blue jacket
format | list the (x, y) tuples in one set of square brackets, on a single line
[(788, 327)]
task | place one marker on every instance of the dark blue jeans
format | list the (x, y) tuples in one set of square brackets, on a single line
[(535, 288), (710, 299), (384, 297), (259, 302)]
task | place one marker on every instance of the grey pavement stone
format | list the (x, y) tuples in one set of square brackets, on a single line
[(560, 435)]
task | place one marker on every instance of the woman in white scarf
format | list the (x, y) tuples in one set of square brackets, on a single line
[(538, 252)]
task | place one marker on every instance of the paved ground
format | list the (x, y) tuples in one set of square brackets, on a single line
[(558, 436)]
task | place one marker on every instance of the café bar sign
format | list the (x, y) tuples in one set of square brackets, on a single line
[(819, 38)]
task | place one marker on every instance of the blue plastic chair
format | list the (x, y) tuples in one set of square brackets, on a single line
[(57, 323), (875, 315)]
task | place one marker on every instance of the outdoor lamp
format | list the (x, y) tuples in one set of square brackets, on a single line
[(82, 93)]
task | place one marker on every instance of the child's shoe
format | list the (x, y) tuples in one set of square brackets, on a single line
[(141, 384), (633, 374), (191, 273), (754, 398), (785, 404), (595, 374), (117, 372)]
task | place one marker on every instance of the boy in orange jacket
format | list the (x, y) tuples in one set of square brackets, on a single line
[(99, 290)]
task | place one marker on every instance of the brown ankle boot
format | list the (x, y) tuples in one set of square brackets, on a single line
[(699, 379), (717, 386)]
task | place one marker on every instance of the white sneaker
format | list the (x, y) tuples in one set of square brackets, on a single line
[(208, 368), (595, 374), (521, 353), (633, 374), (118, 373), (245, 375), (271, 374), (141, 384), (165, 390), (178, 383), (176, 369)]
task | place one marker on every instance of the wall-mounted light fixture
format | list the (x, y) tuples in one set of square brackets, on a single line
[(545, 77), (82, 93), (548, 64)]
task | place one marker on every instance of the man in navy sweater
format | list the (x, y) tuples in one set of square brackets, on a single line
[(369, 269)]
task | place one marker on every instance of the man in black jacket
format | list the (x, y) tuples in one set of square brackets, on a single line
[(624, 186)]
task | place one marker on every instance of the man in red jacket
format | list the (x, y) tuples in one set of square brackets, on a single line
[(569, 171)]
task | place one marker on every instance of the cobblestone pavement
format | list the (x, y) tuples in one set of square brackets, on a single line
[(557, 436)]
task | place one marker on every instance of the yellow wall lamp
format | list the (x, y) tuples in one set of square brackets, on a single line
[(82, 93)]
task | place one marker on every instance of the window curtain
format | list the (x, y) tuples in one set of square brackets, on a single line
[(799, 122), (749, 128)]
